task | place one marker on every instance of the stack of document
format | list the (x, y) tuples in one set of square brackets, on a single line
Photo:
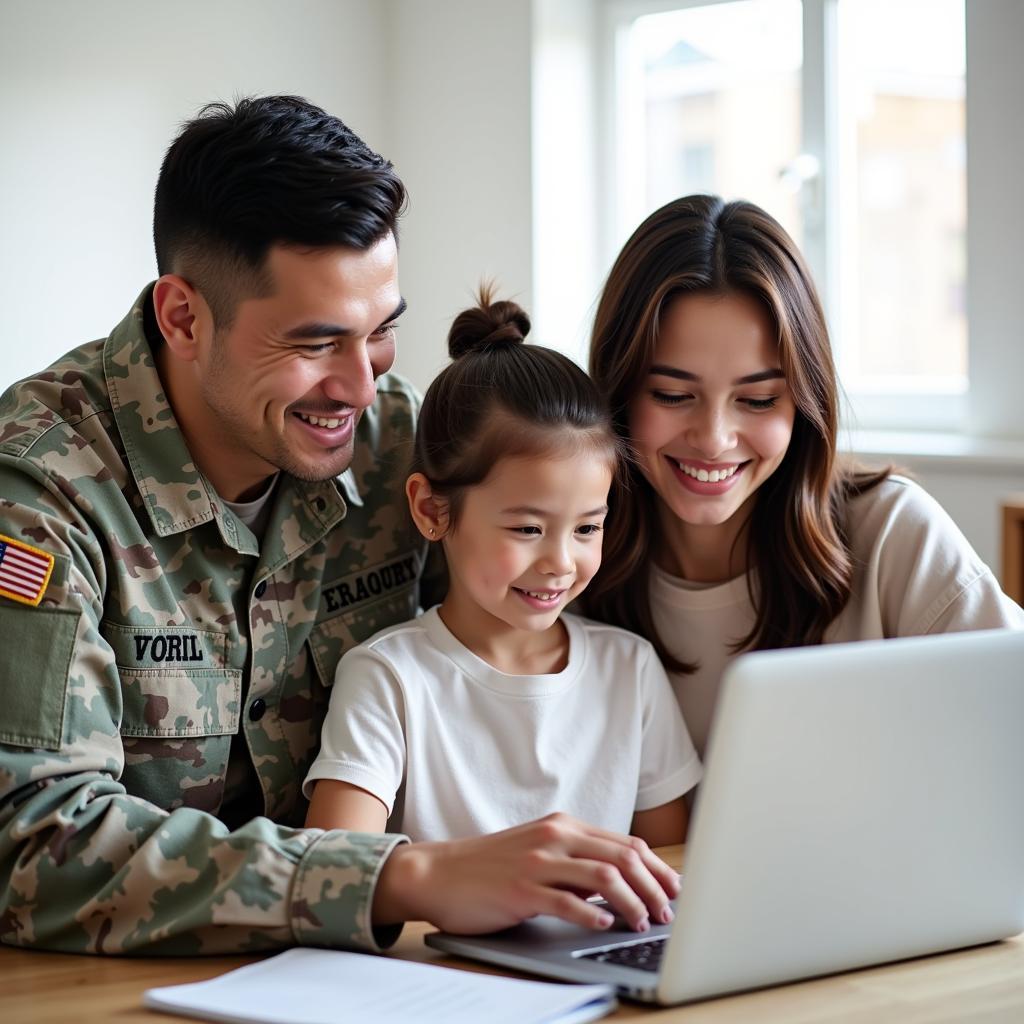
[(319, 986)]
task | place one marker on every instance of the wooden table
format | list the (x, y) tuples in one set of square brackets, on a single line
[(1012, 544), (981, 984)]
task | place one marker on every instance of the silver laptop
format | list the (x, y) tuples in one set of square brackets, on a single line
[(861, 803)]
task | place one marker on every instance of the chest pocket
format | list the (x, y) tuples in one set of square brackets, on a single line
[(200, 702), (174, 681), (180, 708), (331, 637)]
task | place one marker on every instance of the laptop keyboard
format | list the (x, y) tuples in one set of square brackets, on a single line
[(645, 956)]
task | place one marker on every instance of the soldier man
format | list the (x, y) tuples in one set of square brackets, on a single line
[(198, 515)]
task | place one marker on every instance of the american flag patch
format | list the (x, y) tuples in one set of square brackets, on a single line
[(24, 571)]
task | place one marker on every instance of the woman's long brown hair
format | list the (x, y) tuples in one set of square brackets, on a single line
[(798, 556)]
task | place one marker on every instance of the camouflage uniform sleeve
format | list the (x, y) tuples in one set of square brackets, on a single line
[(87, 867)]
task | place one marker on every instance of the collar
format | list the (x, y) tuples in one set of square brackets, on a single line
[(176, 495)]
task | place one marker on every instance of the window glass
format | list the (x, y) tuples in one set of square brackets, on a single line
[(710, 102), (903, 195)]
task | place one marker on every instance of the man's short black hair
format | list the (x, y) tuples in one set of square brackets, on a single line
[(268, 170)]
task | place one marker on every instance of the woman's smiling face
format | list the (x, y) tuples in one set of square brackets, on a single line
[(714, 416)]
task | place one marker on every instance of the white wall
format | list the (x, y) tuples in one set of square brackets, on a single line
[(459, 135), (91, 94)]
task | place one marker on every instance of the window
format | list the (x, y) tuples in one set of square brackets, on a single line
[(710, 103), (903, 195), (846, 120)]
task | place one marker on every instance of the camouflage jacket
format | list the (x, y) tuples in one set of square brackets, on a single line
[(165, 628)]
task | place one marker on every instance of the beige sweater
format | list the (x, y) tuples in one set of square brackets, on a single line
[(915, 573)]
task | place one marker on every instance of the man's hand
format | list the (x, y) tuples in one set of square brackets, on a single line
[(545, 867)]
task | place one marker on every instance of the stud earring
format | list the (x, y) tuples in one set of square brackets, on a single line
[(431, 531)]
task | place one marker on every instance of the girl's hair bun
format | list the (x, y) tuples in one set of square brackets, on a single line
[(487, 325)]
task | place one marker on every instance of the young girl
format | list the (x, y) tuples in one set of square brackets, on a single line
[(737, 528), (496, 707)]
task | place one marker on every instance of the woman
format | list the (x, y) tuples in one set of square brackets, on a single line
[(739, 529)]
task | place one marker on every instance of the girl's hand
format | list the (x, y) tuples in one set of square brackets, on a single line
[(544, 867)]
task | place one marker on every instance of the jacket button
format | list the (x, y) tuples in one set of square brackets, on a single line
[(261, 589), (257, 709)]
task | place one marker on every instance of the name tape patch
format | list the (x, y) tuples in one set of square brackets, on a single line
[(173, 647), (368, 584), (24, 571)]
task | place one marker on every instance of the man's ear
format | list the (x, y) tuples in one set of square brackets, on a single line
[(182, 314), (429, 510)]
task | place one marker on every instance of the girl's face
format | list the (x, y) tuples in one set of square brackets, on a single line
[(527, 541), (714, 417)]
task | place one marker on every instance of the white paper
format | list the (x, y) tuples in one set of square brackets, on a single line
[(320, 986)]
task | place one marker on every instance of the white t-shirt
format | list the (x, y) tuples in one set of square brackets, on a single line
[(453, 747), (914, 573), (255, 513)]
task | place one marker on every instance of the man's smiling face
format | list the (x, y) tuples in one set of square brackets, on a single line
[(286, 383)]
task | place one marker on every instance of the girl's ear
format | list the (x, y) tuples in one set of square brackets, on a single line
[(429, 510)]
